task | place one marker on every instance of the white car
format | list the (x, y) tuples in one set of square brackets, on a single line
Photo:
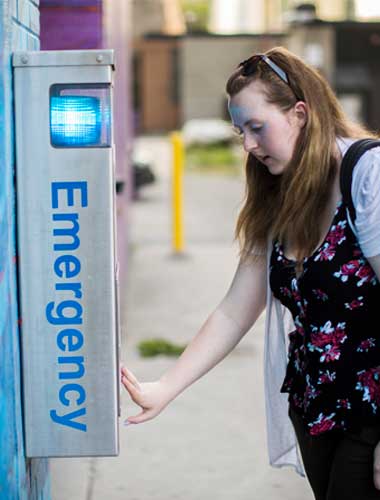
[(207, 131)]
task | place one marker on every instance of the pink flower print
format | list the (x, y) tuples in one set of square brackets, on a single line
[(326, 340), (278, 250), (295, 291), (348, 270), (343, 403), (302, 350), (320, 294), (322, 424), (297, 297), (332, 353), (336, 235), (285, 291), (299, 327), (327, 252), (310, 393), (298, 365), (326, 377), (355, 304), (369, 383), (365, 273), (297, 400), (327, 334), (365, 345), (303, 306), (280, 257)]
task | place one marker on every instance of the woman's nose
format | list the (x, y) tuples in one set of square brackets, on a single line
[(249, 143)]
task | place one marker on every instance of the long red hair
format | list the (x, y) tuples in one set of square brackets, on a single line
[(290, 206)]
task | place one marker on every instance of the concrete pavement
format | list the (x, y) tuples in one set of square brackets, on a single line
[(210, 441)]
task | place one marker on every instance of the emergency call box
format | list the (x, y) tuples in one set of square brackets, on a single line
[(68, 279)]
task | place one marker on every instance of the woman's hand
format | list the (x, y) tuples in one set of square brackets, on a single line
[(376, 466), (151, 396)]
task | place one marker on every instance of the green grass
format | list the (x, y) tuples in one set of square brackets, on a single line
[(216, 158), (154, 347)]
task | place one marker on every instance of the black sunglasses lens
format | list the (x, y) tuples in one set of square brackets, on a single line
[(249, 66)]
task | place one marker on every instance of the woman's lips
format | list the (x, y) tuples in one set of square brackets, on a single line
[(263, 158)]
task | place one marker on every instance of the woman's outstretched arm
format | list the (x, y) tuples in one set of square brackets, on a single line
[(223, 329), (220, 333)]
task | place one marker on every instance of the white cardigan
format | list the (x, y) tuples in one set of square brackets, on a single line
[(282, 443)]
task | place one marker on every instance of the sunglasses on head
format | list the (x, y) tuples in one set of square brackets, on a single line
[(249, 68)]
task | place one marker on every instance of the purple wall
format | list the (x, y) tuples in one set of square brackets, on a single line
[(117, 35), (71, 24)]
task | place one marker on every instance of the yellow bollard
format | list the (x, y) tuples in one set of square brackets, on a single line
[(177, 192)]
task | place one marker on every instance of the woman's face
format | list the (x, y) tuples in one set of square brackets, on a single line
[(268, 133)]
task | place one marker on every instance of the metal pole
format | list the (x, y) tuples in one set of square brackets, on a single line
[(177, 192)]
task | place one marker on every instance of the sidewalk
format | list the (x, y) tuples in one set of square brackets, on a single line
[(211, 440)]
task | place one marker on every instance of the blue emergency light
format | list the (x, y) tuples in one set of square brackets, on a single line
[(75, 121)]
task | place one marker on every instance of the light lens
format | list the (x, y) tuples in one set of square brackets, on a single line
[(75, 121)]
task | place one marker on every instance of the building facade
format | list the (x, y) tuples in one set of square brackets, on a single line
[(189, 72)]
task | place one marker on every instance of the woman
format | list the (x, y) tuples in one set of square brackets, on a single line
[(316, 273)]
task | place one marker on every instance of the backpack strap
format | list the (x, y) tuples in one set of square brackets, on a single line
[(350, 159)]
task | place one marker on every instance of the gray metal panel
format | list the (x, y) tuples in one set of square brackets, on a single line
[(48, 366), (64, 58)]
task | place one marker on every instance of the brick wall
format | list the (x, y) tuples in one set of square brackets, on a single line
[(25, 24), (20, 478)]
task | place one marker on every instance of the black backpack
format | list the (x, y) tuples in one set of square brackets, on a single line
[(354, 152)]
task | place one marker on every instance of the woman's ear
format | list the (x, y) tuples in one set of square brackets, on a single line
[(300, 113)]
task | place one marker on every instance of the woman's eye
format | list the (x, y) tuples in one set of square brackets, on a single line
[(256, 129)]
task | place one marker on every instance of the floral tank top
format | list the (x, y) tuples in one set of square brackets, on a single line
[(333, 371)]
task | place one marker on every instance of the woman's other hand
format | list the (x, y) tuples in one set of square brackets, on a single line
[(152, 397), (376, 466)]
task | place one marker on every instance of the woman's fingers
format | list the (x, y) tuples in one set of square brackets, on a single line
[(150, 396), (128, 384), (129, 375), (132, 389), (140, 418)]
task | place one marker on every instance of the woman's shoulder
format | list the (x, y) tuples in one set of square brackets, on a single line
[(367, 169), (365, 188), (345, 142)]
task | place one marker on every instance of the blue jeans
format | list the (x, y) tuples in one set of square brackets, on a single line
[(338, 465)]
